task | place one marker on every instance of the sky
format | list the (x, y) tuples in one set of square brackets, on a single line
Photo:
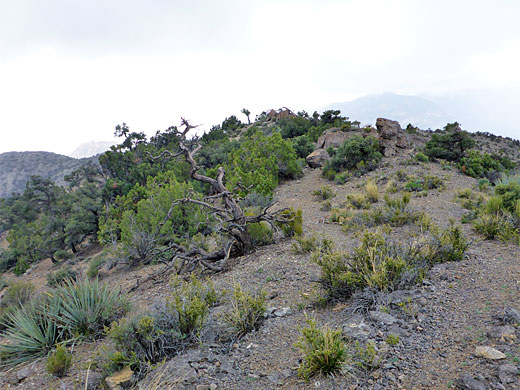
[(70, 70)]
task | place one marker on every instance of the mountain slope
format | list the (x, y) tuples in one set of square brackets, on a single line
[(17, 167)]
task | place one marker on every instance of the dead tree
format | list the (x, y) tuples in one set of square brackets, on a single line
[(223, 206)]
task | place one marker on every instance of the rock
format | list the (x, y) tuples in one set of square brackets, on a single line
[(283, 312), (423, 301), (332, 137), (467, 382), (391, 136), (120, 378), (22, 374), (503, 333), (382, 318), (489, 353), (93, 381), (355, 328), (507, 373), (511, 316), (317, 158)]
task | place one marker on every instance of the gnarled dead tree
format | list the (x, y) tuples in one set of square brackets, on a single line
[(223, 206)]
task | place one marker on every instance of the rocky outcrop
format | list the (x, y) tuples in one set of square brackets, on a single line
[(317, 158), (276, 115), (332, 137), (391, 137)]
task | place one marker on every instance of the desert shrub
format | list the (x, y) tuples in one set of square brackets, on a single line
[(88, 306), (303, 146), (367, 356), (59, 361), (449, 146), (448, 244), (294, 227), (510, 194), (498, 226), (311, 243), (339, 215), (323, 349), (94, 267), (59, 277), (372, 192), (324, 193), (421, 157), (260, 233), (478, 164), (326, 205), (18, 294), (358, 154), (256, 201), (483, 184), (247, 311), (341, 178), (358, 201), (260, 162), (143, 340), (63, 255), (494, 205), (191, 301)]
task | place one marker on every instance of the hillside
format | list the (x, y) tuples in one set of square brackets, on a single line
[(17, 167), (411, 261)]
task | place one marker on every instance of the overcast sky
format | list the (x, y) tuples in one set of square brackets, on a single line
[(71, 70)]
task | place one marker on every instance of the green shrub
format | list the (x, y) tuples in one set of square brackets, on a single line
[(450, 145), (63, 255), (510, 194), (143, 340), (449, 244), (191, 301), (88, 306), (294, 227), (367, 356), (357, 153), (421, 157), (358, 201), (18, 294), (311, 243), (247, 311), (372, 192), (59, 361), (494, 205), (499, 226), (59, 277), (478, 164), (324, 193), (303, 146), (94, 267), (324, 351), (260, 233)]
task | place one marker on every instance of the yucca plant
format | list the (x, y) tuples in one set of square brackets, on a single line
[(32, 332), (88, 306)]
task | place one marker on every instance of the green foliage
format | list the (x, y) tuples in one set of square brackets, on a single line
[(246, 312), (358, 201), (94, 267), (59, 277), (303, 146), (260, 162), (324, 351), (191, 301), (59, 361), (31, 332), (294, 226), (367, 356), (392, 339), (423, 183), (510, 194), (88, 306), (260, 233), (450, 145), (421, 157), (18, 294), (449, 244), (311, 243), (478, 164), (324, 193), (357, 153)]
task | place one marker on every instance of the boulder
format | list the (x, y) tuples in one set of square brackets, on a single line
[(489, 353), (317, 158), (120, 378), (332, 137), (391, 137)]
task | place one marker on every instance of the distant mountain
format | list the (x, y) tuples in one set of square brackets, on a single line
[(91, 148), (420, 112), (16, 168)]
